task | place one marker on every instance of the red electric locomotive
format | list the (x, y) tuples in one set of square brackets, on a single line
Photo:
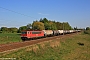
[(31, 34)]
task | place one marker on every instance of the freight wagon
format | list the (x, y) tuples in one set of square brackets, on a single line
[(47, 33)]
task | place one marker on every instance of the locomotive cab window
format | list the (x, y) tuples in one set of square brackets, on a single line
[(28, 32), (24, 32)]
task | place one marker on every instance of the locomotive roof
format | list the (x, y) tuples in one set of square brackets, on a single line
[(32, 30)]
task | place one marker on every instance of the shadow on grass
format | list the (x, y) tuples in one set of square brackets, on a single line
[(81, 44)]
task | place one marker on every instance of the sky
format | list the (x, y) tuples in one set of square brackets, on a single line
[(17, 13)]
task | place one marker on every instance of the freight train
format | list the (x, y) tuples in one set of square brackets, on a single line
[(30, 34)]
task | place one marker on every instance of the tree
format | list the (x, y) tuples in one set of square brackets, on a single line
[(22, 28), (44, 20), (59, 25), (29, 26), (47, 26), (52, 25), (14, 30), (38, 26), (75, 28), (9, 30), (66, 26), (87, 28), (4, 29)]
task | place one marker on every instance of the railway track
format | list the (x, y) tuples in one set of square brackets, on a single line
[(17, 45)]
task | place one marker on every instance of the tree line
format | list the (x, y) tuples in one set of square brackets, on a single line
[(87, 28), (42, 24)]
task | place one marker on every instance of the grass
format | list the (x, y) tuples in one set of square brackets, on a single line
[(70, 48), (87, 32), (6, 38)]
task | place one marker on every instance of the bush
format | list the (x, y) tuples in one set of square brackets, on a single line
[(87, 32)]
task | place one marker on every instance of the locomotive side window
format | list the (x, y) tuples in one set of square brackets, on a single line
[(36, 32), (28, 32), (24, 32)]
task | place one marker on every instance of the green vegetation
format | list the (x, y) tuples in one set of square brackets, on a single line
[(8, 30), (6, 38), (75, 47), (87, 31), (38, 25), (87, 28), (53, 25)]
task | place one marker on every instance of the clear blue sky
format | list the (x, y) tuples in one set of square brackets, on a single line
[(76, 12)]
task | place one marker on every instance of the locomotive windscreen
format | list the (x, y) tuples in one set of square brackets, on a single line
[(24, 32)]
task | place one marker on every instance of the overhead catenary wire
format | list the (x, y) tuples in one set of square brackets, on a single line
[(17, 12)]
